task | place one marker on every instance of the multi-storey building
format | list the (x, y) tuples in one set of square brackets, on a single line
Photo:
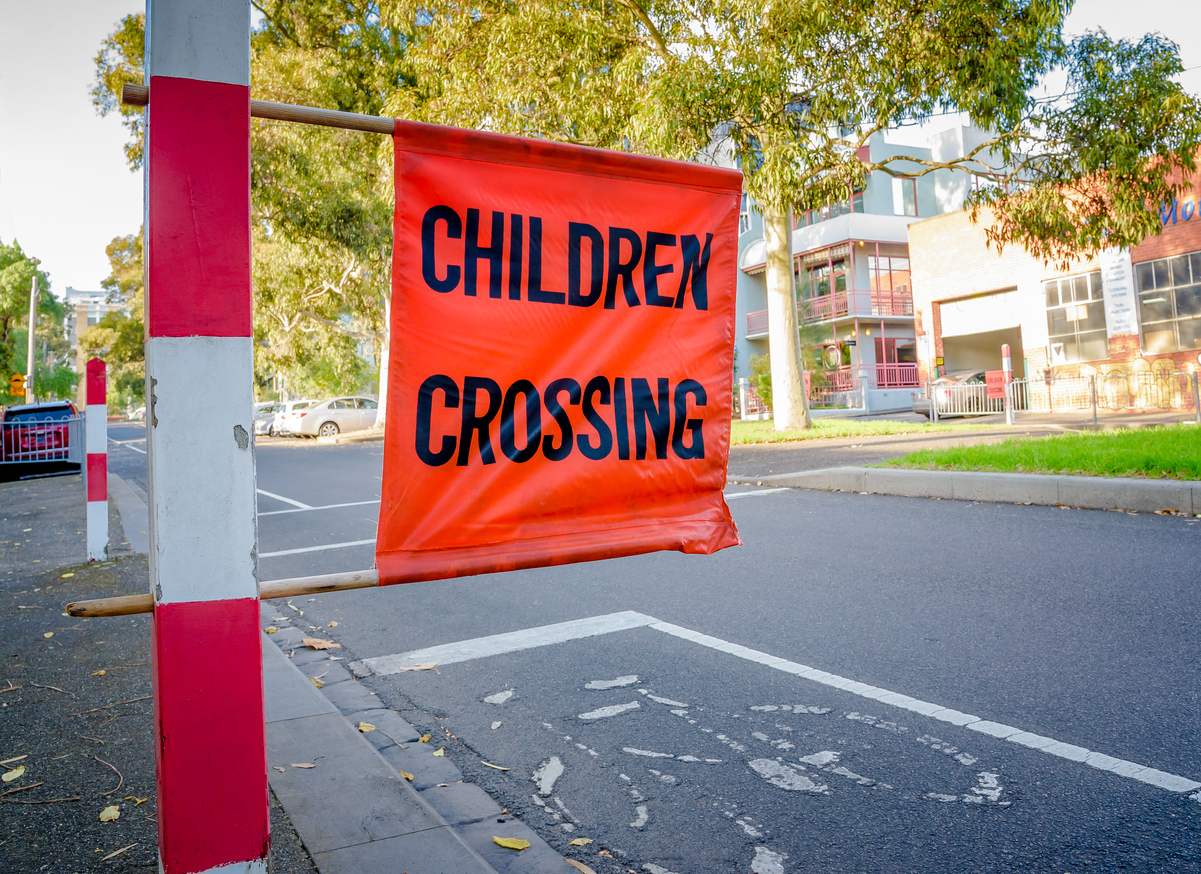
[(851, 267), (84, 309)]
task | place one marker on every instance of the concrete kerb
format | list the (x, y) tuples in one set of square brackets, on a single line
[(1083, 492)]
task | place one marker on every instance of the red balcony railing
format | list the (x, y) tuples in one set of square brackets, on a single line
[(857, 303), (897, 376)]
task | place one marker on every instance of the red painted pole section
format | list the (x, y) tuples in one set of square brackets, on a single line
[(95, 423), (210, 740)]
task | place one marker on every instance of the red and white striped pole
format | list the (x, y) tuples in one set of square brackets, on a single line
[(1007, 369), (95, 429), (210, 741)]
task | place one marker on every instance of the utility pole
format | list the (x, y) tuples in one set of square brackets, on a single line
[(33, 322)]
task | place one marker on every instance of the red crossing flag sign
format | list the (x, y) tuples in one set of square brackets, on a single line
[(994, 382), (561, 355)]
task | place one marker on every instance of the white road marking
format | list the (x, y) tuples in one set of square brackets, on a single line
[(650, 755), (612, 684), (642, 817), (752, 494), (767, 862), (500, 697), (597, 625), (305, 509), (513, 641), (550, 771), (318, 549), (655, 869), (126, 444), (786, 776), (659, 700), (285, 500), (612, 710)]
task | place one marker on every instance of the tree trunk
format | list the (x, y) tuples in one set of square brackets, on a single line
[(790, 406), (381, 414)]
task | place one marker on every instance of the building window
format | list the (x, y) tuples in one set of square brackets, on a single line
[(744, 215), (904, 196), (831, 210), (1076, 319), (888, 273), (1169, 302), (817, 280)]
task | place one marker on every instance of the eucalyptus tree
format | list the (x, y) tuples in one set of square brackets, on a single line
[(793, 90)]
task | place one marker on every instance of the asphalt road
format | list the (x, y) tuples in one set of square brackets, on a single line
[(1078, 626)]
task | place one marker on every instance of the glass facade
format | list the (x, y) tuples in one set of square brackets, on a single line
[(1076, 319), (1169, 303)]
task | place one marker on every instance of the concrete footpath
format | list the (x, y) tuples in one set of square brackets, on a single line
[(1082, 492)]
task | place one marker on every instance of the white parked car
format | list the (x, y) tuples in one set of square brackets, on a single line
[(288, 415), (337, 415)]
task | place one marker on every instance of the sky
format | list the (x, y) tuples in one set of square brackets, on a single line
[(66, 192)]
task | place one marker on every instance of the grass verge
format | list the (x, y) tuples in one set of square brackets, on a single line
[(743, 433), (1165, 452)]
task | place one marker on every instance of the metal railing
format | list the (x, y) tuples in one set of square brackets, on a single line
[(897, 376), (859, 303), (29, 442), (1146, 390)]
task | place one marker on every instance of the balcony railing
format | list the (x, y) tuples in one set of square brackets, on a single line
[(857, 303), (897, 376)]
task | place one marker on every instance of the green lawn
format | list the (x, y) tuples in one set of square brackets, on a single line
[(742, 433), (1172, 452)]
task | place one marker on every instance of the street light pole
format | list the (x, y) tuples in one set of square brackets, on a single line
[(33, 322)]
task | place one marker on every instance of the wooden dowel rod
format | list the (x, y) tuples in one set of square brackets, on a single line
[(139, 95), (130, 605)]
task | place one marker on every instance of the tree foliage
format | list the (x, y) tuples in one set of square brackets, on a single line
[(17, 271), (118, 63)]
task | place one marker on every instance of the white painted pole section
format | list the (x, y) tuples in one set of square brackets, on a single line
[(95, 425), (1007, 369), (33, 323)]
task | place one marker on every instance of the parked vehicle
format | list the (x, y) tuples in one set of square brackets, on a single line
[(38, 432), (288, 415), (337, 415), (264, 417), (962, 393), (138, 415)]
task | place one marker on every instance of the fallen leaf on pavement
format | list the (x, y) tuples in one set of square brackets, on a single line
[(424, 666), (510, 843), (318, 643), (136, 801), (48, 635), (316, 682), (270, 629), (280, 768), (333, 625), (439, 752), (406, 775), (490, 765), (110, 813), (365, 727), (606, 853), (99, 673), (65, 576), (425, 738), (581, 842), (579, 866), (14, 758), (496, 725), (116, 853), (16, 772), (303, 765)]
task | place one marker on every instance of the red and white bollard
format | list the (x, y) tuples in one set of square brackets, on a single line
[(95, 428), (210, 740), (1007, 369)]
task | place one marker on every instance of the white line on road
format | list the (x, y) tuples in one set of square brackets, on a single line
[(285, 500), (513, 641), (752, 494), (544, 635), (307, 509), (126, 444), (317, 548)]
